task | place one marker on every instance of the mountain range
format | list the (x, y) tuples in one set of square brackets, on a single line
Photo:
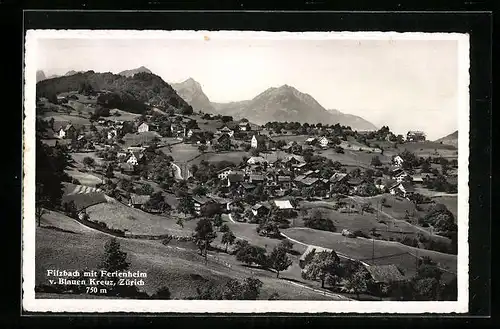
[(451, 139), (274, 104)]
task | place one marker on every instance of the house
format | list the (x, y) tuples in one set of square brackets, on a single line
[(222, 202), (135, 157), (234, 179), (256, 160), (143, 127), (403, 189), (112, 133), (355, 182), (311, 140), (307, 181), (261, 209), (309, 253), (323, 141), (256, 179), (284, 182), (193, 132), (127, 168), (245, 126), (397, 161), (199, 202), (283, 204), (299, 167), (259, 141), (385, 274), (246, 187), (138, 201), (224, 138), (338, 177), (223, 173), (415, 136), (225, 130), (67, 131)]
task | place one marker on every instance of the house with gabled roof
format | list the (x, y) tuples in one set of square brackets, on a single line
[(404, 189), (225, 130), (385, 274), (138, 201), (245, 126), (143, 127), (68, 131)]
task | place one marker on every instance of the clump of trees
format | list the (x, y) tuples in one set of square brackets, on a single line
[(318, 222)]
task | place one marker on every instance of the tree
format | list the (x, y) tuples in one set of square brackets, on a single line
[(114, 258), (39, 212), (286, 245), (366, 207), (426, 289), (249, 289), (89, 162), (321, 264), (376, 161), (224, 228), (357, 282), (202, 148), (109, 171), (279, 260), (162, 293), (250, 254), (316, 221), (145, 189), (200, 190), (218, 220), (204, 235), (157, 202), (228, 238), (186, 205)]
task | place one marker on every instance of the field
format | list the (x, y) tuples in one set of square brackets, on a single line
[(71, 246), (79, 156), (140, 138), (362, 249), (66, 118), (84, 178), (234, 157), (82, 196), (181, 152), (119, 216)]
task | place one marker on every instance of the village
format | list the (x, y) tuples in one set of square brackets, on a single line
[(274, 180)]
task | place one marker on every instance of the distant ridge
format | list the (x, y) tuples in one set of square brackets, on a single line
[(284, 103), (130, 73), (190, 90), (451, 139)]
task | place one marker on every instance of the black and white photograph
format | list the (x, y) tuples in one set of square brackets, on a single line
[(238, 171)]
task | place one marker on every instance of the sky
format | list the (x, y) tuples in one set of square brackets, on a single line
[(404, 84)]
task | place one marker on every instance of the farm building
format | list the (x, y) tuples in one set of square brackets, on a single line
[(283, 204), (234, 179), (199, 202), (311, 140), (260, 209), (382, 275), (138, 201), (338, 177), (255, 160)]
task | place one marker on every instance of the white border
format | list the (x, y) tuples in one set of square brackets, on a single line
[(29, 303)]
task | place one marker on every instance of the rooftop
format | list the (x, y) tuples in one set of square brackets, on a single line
[(385, 273)]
